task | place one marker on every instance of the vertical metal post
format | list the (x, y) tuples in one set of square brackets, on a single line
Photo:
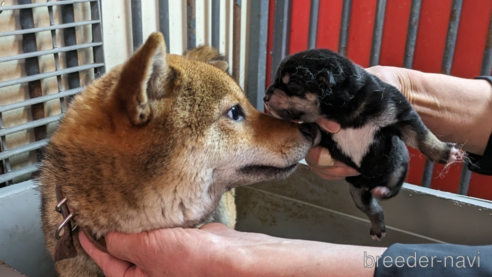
[(313, 24), (257, 56), (164, 20), (427, 175), (29, 44), (413, 25), (191, 20), (216, 24), (447, 62), (281, 28), (377, 34), (454, 22), (344, 27), (485, 71), (487, 55), (136, 23), (63, 102), (98, 51), (70, 38), (236, 40)]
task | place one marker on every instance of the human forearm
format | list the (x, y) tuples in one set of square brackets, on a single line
[(454, 109), (280, 257)]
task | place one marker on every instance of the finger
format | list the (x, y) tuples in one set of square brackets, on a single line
[(328, 125), (335, 173), (125, 246), (216, 228), (319, 156), (109, 264)]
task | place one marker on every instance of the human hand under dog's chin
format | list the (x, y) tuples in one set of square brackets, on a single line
[(320, 160)]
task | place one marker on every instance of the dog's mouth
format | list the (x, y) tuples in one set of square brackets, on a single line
[(267, 169)]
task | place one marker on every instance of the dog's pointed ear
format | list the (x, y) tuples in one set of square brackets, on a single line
[(142, 78), (223, 65), (209, 55)]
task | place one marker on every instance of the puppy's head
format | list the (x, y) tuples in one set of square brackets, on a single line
[(156, 142), (305, 82)]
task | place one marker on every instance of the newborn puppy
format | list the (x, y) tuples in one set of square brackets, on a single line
[(376, 121)]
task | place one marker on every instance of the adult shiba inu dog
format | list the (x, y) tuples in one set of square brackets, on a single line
[(155, 143), (376, 121)]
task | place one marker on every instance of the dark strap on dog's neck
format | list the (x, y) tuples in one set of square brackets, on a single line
[(98, 243), (65, 247)]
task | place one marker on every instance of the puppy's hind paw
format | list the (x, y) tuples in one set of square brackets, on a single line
[(378, 232), (380, 192), (378, 238)]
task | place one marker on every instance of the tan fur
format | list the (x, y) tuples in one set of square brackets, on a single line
[(150, 145)]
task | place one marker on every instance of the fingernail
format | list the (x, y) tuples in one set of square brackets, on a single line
[(325, 158)]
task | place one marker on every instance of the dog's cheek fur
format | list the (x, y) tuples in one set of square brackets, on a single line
[(127, 173)]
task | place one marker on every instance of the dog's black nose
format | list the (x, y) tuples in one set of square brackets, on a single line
[(310, 131), (266, 98)]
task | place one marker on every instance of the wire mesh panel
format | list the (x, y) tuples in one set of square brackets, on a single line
[(55, 49)]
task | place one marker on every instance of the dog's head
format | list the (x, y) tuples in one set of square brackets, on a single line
[(157, 141), (310, 84)]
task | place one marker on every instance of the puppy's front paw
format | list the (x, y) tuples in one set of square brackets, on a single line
[(455, 154), (378, 232)]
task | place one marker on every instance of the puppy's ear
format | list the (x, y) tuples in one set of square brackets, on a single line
[(142, 78)]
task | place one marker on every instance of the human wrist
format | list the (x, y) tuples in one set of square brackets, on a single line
[(455, 109)]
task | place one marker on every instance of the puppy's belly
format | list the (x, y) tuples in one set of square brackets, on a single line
[(355, 142)]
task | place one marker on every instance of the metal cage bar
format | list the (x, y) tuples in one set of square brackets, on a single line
[(413, 25), (258, 38), (39, 5), (54, 51), (236, 39), (446, 65), (97, 39), (191, 20), (281, 28), (63, 101), (49, 28), (378, 32), (487, 55), (313, 24), (31, 66), (137, 37), (344, 27), (216, 24), (33, 75), (164, 20)]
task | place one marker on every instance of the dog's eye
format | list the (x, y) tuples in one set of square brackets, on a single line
[(235, 113)]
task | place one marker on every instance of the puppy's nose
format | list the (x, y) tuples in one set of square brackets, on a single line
[(311, 132), (266, 98)]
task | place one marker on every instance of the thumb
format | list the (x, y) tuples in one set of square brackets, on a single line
[(328, 125), (109, 264)]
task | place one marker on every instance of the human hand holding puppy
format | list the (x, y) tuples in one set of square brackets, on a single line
[(443, 103)]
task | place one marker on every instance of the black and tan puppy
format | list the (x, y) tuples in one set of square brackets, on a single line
[(157, 142), (376, 121)]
